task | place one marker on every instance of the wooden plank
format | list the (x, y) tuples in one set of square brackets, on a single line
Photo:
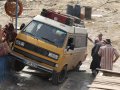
[(98, 86), (109, 72), (95, 89), (108, 83), (107, 79)]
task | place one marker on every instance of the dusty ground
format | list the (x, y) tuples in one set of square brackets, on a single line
[(105, 19), (26, 80)]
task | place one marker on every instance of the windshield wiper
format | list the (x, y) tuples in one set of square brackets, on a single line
[(48, 40)]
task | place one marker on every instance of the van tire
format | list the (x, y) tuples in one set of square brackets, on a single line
[(18, 66), (78, 66), (60, 77)]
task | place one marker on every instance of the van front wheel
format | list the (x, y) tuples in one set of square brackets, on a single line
[(60, 77)]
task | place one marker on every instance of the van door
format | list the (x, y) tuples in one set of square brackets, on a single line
[(80, 48), (69, 51)]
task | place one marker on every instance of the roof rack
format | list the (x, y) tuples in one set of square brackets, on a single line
[(62, 18)]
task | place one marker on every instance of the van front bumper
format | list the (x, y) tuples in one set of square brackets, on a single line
[(31, 63)]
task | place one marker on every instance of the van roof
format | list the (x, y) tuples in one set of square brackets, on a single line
[(69, 29)]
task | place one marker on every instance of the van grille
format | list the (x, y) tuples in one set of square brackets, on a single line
[(36, 58), (36, 49)]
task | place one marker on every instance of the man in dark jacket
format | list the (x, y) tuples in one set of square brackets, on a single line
[(96, 58)]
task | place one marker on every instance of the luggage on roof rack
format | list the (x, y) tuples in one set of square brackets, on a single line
[(58, 17)]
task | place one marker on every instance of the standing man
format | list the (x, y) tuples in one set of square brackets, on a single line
[(95, 58), (98, 39), (107, 54)]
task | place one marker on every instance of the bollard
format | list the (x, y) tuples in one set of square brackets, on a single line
[(88, 12)]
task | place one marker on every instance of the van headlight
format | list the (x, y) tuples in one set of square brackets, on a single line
[(52, 55), (20, 43)]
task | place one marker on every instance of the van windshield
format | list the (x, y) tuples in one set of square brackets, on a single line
[(46, 33)]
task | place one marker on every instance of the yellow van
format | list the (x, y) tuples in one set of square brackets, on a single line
[(51, 46)]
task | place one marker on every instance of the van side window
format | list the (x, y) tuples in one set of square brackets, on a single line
[(80, 40), (70, 44), (70, 41)]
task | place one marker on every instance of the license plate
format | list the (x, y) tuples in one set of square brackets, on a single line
[(31, 64)]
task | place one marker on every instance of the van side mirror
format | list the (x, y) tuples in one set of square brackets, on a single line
[(22, 26)]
